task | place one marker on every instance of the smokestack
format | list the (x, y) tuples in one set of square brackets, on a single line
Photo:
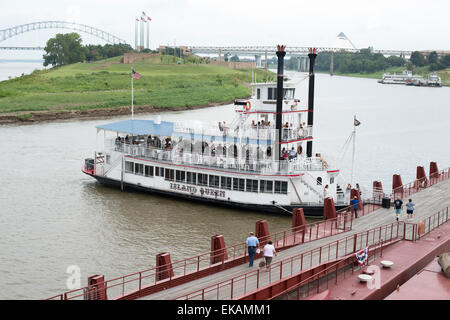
[(280, 77), (312, 57)]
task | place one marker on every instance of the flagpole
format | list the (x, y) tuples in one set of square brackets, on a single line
[(353, 153), (132, 95)]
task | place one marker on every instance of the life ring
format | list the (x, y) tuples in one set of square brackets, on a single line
[(247, 106)]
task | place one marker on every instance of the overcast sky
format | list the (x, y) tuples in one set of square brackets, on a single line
[(383, 24)]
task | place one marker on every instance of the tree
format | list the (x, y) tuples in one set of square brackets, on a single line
[(234, 58), (433, 58), (417, 59), (64, 49)]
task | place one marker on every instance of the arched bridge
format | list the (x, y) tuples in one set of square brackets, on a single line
[(17, 30)]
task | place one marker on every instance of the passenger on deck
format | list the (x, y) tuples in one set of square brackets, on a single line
[(253, 124), (292, 154), (220, 126), (127, 139), (299, 150)]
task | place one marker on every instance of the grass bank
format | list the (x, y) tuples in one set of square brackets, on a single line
[(106, 85)]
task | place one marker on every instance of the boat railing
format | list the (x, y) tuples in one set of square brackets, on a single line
[(247, 164), (247, 131)]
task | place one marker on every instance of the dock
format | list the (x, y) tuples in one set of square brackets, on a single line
[(230, 277)]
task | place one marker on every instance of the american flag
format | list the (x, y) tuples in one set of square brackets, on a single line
[(135, 74)]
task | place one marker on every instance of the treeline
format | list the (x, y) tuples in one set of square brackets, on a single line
[(368, 62), (67, 48)]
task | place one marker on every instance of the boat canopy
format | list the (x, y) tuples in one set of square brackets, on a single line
[(140, 127)]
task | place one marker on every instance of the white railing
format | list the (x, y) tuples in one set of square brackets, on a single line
[(296, 165)]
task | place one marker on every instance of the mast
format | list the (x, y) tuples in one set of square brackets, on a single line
[(132, 95), (354, 144), (312, 57), (279, 115)]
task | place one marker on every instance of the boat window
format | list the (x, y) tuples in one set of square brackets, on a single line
[(159, 172), (238, 184), (272, 94), (169, 174), (214, 181), (252, 185), (289, 93), (284, 187), (191, 177), (180, 176), (129, 167), (319, 181), (225, 183), (108, 158), (277, 187), (331, 180), (258, 93), (266, 186), (149, 171), (139, 169), (202, 179)]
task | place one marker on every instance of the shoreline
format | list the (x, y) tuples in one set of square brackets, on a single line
[(49, 116)]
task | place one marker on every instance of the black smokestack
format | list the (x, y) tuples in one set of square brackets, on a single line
[(280, 76), (312, 57)]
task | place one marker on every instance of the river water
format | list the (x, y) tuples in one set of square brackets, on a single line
[(53, 216)]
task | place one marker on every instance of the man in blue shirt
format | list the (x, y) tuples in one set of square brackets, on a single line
[(252, 243), (355, 203)]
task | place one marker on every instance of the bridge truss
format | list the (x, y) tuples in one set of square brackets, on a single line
[(17, 30)]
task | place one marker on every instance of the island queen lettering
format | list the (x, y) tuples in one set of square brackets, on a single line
[(205, 192)]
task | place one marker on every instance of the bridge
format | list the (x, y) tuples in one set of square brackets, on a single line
[(18, 30), (299, 52)]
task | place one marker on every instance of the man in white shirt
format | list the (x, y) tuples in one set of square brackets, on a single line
[(269, 252)]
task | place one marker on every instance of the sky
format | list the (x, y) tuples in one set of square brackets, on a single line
[(382, 24)]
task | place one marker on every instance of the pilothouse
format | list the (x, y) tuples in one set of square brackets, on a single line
[(262, 160)]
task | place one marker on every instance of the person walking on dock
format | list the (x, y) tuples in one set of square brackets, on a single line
[(410, 208), (355, 203), (398, 205), (252, 243), (269, 252)]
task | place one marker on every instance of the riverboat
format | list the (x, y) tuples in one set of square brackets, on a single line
[(262, 160), (407, 78)]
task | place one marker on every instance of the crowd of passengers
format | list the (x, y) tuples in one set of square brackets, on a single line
[(151, 141)]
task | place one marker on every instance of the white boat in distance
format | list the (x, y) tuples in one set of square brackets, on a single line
[(261, 161)]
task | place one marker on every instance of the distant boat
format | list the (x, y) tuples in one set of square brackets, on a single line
[(407, 78)]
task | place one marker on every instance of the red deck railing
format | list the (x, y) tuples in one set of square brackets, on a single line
[(252, 281), (246, 285), (408, 189), (194, 267)]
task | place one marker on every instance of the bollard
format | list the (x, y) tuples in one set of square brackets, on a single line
[(97, 288), (434, 172), (421, 176), (355, 192), (329, 210), (262, 232), (218, 249), (299, 222), (397, 186), (378, 190), (164, 268)]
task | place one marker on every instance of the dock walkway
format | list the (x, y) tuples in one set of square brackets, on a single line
[(427, 202)]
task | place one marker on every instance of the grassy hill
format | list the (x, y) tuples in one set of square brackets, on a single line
[(107, 84)]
